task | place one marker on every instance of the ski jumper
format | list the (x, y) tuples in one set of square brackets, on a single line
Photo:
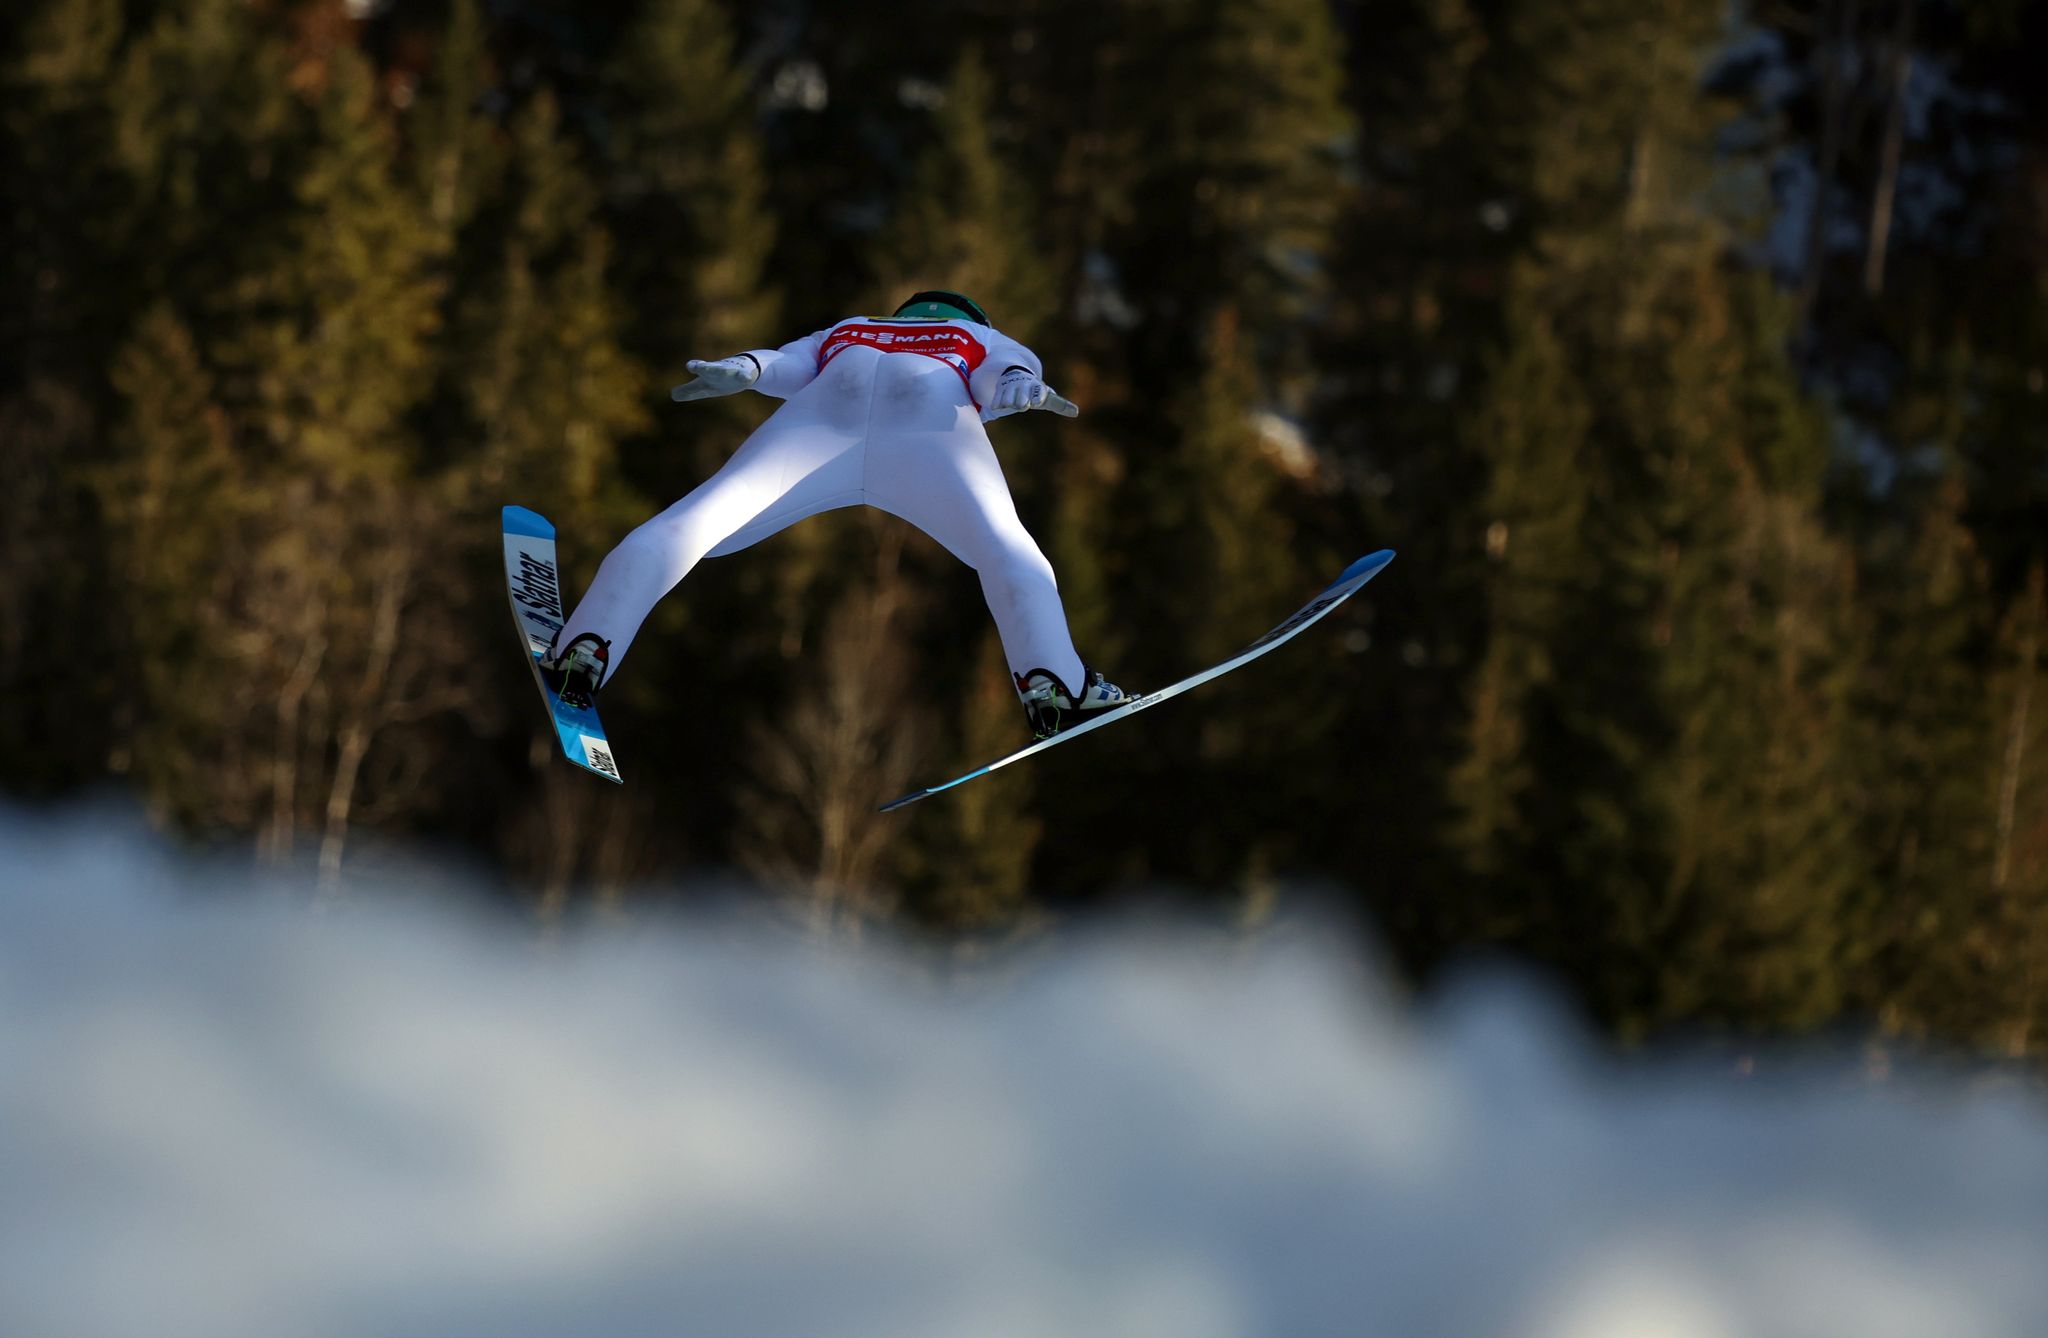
[(881, 413)]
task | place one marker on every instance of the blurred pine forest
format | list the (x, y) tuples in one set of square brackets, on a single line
[(1694, 358)]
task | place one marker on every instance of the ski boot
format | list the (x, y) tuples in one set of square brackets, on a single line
[(577, 672), (1051, 707)]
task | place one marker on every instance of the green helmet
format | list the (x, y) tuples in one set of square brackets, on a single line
[(938, 304)]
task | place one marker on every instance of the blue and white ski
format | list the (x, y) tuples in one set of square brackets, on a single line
[(1339, 590), (535, 588)]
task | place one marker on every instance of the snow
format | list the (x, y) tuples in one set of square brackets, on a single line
[(225, 1113)]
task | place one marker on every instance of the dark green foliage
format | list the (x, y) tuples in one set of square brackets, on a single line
[(1714, 672)]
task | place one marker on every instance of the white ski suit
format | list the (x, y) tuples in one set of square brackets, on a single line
[(879, 412)]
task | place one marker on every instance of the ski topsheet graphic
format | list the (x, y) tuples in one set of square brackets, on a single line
[(1339, 590), (535, 588)]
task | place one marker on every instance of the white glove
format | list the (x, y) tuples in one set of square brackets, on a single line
[(727, 376), (1019, 391)]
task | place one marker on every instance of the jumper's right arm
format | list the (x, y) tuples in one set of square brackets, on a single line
[(780, 372)]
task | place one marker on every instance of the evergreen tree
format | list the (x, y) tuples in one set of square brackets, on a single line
[(312, 336), (1402, 351), (684, 172), (178, 505), (535, 393), (545, 389), (1933, 775), (1534, 423), (454, 146), (64, 254), (1243, 157), (1656, 792), (182, 455), (1220, 557), (2012, 935), (1766, 910), (63, 265), (1517, 787)]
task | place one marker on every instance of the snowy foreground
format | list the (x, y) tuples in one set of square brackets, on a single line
[(222, 1115)]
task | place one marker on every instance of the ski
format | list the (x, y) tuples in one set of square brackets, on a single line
[(534, 586), (1346, 585)]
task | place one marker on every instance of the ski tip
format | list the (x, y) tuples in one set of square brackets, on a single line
[(519, 520), (1366, 565), (905, 801)]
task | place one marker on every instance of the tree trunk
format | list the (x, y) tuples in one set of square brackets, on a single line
[(1894, 145), (2016, 733), (284, 758), (363, 719)]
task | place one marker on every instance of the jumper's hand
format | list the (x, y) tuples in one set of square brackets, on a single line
[(727, 376), (1020, 391)]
